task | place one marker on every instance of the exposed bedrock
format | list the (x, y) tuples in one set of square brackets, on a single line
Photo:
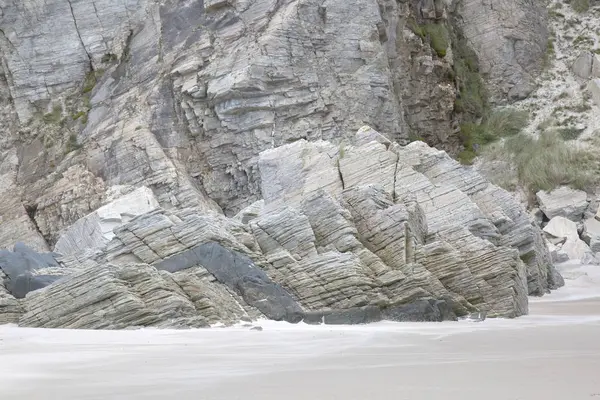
[(344, 234)]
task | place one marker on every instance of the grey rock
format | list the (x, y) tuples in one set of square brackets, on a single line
[(506, 214), (112, 297), (10, 307), (510, 38), (594, 88), (582, 67), (564, 202), (23, 269), (239, 273), (421, 311)]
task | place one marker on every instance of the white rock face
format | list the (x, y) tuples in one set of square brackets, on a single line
[(561, 227), (95, 230), (564, 202)]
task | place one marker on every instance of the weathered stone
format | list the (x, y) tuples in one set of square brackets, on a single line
[(95, 230), (24, 269), (10, 308), (506, 214), (591, 234), (564, 202), (239, 274), (582, 67), (594, 88), (561, 227), (403, 233), (111, 298), (510, 39), (576, 249)]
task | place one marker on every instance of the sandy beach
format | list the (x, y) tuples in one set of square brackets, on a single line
[(553, 353)]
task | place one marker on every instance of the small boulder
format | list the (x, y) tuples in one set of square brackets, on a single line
[(582, 67), (591, 234), (594, 88), (561, 228), (564, 202), (576, 249)]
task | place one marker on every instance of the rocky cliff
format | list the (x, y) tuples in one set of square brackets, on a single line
[(118, 113), (344, 234)]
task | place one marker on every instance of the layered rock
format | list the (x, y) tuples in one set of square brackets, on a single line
[(510, 38), (182, 96), (348, 234)]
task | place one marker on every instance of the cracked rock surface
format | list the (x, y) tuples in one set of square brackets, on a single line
[(405, 233)]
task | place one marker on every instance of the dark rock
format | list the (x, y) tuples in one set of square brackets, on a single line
[(20, 266), (256, 328), (421, 311), (239, 273), (351, 316)]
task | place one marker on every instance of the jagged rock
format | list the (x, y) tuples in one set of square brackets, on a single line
[(95, 230), (182, 96), (26, 270), (402, 233), (499, 207), (111, 297), (564, 202)]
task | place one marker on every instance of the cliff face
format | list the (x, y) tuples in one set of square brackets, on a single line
[(100, 99)]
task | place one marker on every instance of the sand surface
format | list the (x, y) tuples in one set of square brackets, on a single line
[(554, 353)]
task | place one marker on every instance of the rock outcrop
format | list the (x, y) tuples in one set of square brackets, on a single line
[(510, 38), (344, 234), (101, 98)]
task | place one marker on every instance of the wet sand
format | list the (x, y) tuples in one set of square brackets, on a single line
[(554, 353)]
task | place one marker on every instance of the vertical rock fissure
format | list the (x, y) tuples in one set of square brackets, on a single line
[(31, 210), (79, 35)]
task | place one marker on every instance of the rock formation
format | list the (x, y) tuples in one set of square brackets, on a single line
[(344, 234), (196, 162), (100, 98)]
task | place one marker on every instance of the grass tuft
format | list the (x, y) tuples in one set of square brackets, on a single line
[(547, 162)]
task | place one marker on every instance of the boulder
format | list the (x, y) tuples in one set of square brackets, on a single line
[(95, 230), (577, 249), (591, 234), (564, 202), (562, 228), (594, 88), (582, 67)]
